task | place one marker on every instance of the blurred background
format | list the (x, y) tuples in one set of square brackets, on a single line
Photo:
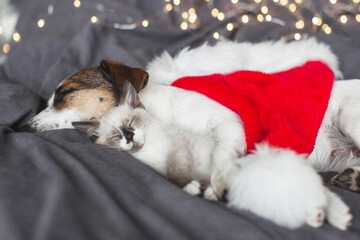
[(41, 30)]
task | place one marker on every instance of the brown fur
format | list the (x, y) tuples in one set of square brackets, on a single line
[(95, 90)]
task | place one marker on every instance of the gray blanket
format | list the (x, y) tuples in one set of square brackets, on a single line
[(59, 185)]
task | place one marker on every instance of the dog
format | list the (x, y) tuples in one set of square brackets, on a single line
[(92, 92)]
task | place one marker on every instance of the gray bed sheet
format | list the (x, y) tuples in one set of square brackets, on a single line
[(59, 185)]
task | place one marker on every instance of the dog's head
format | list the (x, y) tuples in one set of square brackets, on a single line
[(87, 95)]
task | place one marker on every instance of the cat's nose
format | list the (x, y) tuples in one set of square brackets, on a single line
[(129, 135)]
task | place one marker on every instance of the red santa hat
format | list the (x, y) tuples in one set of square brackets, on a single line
[(283, 109)]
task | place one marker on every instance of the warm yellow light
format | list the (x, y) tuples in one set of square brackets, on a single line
[(275, 1), (1, 29), (214, 12), (297, 36), (221, 16), (260, 17), (77, 3), (185, 15), (292, 7), (6, 48), (216, 35), (167, 0), (268, 18), (245, 18), (264, 10), (357, 17), (16, 37), (317, 21), (326, 29), (168, 7), (333, 1), (284, 2), (145, 23), (230, 26), (298, 1), (184, 26), (192, 11), (192, 18), (176, 2), (41, 23), (356, 1), (343, 19), (300, 24), (234, 1), (94, 19), (258, 1)]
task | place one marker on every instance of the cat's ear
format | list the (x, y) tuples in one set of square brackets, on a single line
[(87, 127), (130, 96)]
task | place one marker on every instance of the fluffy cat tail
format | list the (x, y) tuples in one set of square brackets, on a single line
[(279, 185)]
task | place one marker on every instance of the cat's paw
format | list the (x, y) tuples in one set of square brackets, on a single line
[(337, 212), (219, 183), (209, 194), (316, 218), (348, 179), (193, 188)]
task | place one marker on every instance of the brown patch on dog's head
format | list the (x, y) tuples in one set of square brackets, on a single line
[(95, 90)]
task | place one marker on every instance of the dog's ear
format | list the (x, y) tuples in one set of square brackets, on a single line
[(87, 127), (118, 73)]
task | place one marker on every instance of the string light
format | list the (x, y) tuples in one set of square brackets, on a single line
[(300, 24), (94, 19), (340, 12), (357, 18), (145, 23), (41, 23), (214, 12), (268, 18), (168, 7), (264, 10), (16, 37), (284, 2), (297, 36), (6, 48), (245, 19), (221, 16), (260, 17), (184, 26), (230, 26), (326, 29), (77, 3), (343, 19), (292, 7)]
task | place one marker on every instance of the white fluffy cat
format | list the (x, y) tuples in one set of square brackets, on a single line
[(274, 183)]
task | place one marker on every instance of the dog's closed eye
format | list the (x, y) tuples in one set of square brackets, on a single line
[(60, 94)]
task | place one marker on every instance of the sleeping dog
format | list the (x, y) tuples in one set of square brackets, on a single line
[(92, 92)]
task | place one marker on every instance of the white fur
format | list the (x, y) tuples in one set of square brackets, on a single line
[(292, 189), (279, 185), (227, 57)]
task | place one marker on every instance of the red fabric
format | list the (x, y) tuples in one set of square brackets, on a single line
[(283, 109)]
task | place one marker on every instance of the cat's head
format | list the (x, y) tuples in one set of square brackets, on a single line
[(123, 127)]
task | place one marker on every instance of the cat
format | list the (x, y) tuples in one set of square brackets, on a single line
[(182, 157), (186, 158)]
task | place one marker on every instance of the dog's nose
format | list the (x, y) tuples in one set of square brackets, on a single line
[(26, 128), (129, 135)]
